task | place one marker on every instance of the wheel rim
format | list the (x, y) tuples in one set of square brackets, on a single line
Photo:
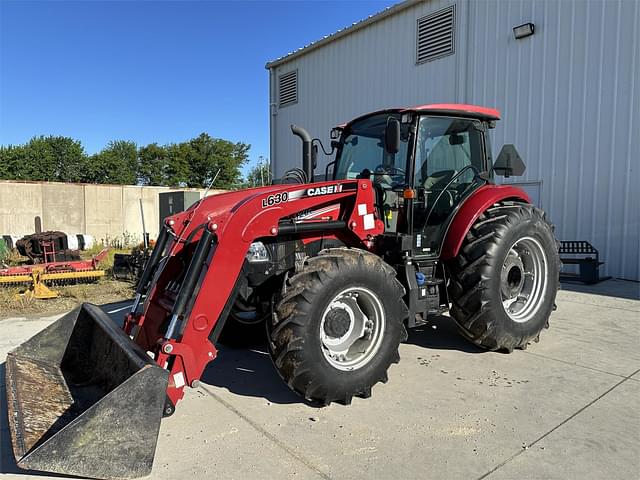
[(352, 328), (523, 279)]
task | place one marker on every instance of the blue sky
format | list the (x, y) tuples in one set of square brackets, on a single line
[(151, 71)]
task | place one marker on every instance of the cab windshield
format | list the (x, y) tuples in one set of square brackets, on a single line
[(363, 154)]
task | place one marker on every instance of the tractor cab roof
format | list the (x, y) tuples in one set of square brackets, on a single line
[(450, 109), (457, 109)]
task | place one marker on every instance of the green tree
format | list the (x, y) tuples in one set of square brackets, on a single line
[(210, 156), (12, 163), (193, 163), (152, 165), (116, 164), (52, 158), (260, 174), (178, 169)]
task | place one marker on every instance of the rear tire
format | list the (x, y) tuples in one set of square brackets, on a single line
[(505, 277), (337, 328)]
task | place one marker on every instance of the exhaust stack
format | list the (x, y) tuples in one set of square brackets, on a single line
[(307, 156)]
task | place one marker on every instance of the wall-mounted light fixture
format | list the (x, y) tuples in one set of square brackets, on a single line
[(524, 30)]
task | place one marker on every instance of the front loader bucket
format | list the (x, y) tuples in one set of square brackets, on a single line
[(83, 399)]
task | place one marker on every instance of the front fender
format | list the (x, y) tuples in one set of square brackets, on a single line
[(471, 209)]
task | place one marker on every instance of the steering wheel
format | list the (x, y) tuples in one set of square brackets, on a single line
[(383, 176), (476, 172), (439, 177), (392, 170)]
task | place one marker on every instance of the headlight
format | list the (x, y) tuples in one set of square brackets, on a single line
[(258, 252)]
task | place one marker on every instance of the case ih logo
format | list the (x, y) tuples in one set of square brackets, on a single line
[(326, 190)]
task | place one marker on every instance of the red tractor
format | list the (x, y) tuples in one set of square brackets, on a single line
[(406, 223)]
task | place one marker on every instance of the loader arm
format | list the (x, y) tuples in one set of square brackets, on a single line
[(206, 254)]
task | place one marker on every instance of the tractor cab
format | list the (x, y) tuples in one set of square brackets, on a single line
[(423, 161)]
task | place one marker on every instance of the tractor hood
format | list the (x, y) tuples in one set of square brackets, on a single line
[(274, 204), (221, 203)]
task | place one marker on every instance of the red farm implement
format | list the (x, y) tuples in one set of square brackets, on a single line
[(37, 277)]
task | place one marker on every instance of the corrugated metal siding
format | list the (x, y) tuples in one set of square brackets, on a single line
[(356, 74), (570, 103), (569, 97)]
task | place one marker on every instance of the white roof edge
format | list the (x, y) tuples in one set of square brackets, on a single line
[(376, 17)]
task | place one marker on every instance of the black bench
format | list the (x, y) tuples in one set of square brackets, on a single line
[(586, 256)]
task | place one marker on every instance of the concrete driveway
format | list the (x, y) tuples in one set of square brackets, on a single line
[(568, 407)]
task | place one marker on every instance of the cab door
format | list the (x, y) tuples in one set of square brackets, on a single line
[(449, 157)]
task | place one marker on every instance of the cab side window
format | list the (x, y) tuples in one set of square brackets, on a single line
[(446, 145)]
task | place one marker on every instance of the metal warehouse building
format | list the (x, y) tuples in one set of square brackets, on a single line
[(567, 89)]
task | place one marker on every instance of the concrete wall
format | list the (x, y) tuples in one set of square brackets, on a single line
[(104, 211), (19, 204)]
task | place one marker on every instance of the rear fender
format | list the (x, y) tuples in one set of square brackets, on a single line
[(471, 209)]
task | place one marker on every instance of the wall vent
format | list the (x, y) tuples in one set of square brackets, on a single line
[(436, 35), (288, 88)]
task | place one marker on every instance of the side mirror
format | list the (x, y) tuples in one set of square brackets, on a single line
[(509, 163), (392, 135)]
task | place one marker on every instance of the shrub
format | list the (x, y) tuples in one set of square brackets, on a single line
[(4, 251)]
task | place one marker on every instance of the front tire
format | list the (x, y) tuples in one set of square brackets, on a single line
[(505, 278), (338, 326)]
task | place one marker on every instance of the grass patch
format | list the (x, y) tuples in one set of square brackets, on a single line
[(105, 290)]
